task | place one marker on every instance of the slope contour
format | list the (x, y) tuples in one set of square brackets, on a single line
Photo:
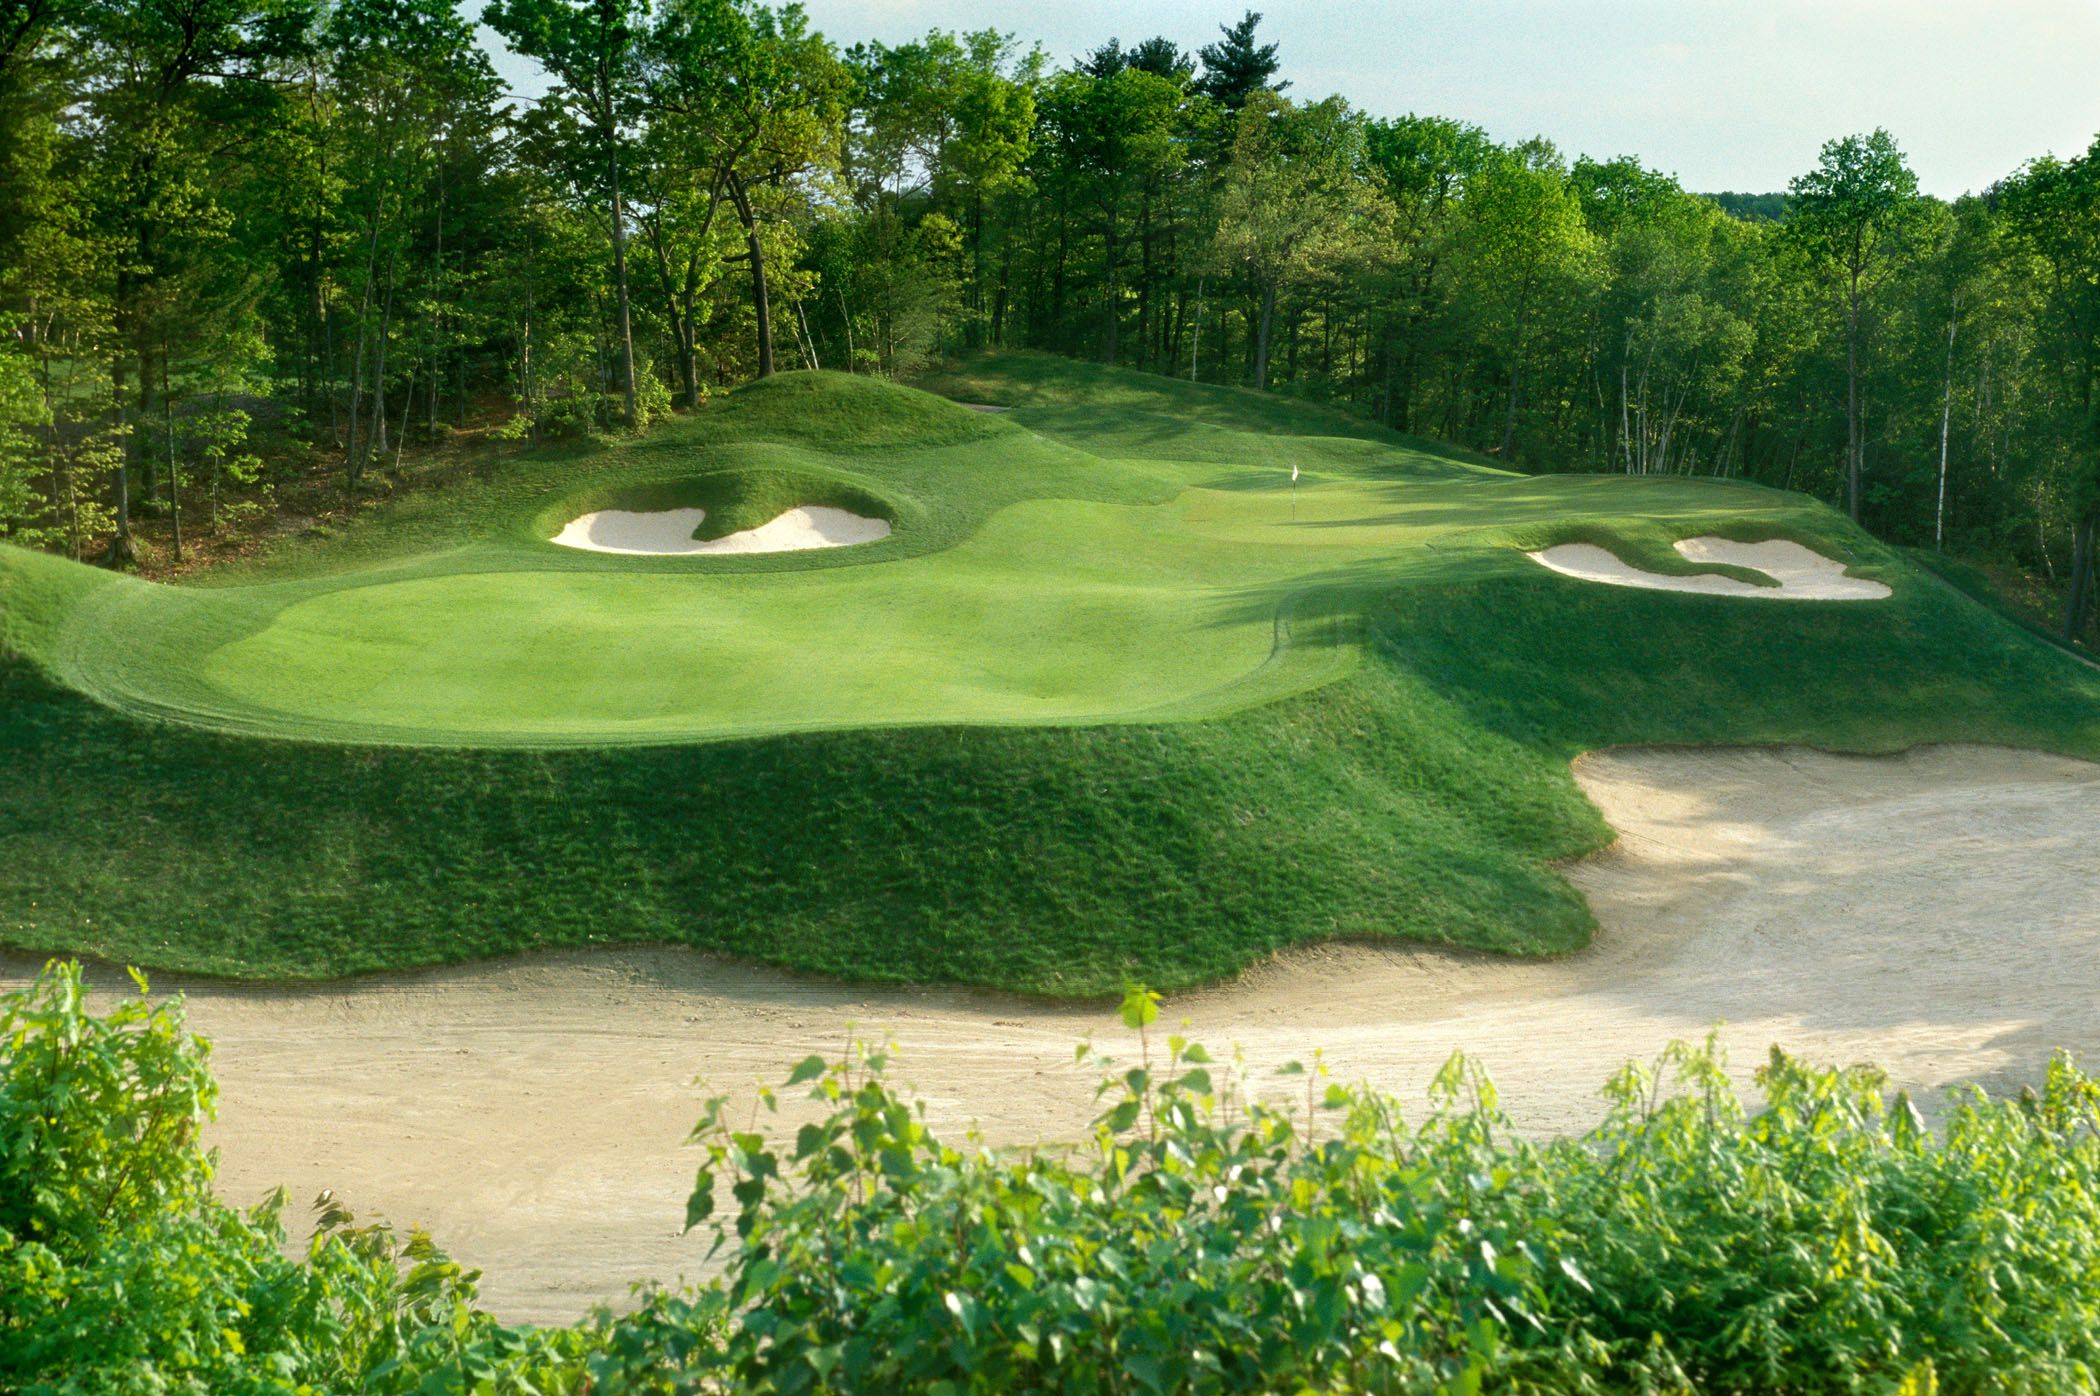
[(1112, 699)]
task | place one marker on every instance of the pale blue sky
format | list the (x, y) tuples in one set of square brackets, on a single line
[(1728, 94)]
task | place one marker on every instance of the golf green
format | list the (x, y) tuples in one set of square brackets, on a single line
[(1000, 597), (1113, 697)]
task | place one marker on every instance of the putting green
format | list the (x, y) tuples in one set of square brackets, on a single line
[(1027, 581), (1013, 625)]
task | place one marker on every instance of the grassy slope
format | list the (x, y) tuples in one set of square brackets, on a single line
[(1026, 582), (1421, 794), (2025, 600)]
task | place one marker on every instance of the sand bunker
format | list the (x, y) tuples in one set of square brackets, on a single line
[(1937, 913), (669, 532), (1802, 573)]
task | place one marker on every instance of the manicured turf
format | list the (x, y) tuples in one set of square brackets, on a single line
[(1107, 703)]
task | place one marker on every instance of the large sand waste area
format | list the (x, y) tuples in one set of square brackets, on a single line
[(1937, 913)]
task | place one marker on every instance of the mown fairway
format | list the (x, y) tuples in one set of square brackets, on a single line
[(1108, 701)]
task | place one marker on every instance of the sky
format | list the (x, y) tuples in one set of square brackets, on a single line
[(1725, 94)]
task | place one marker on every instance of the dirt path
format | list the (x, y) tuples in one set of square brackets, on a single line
[(1938, 913)]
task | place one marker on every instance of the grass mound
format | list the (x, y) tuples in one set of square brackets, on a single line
[(734, 499), (1084, 716)]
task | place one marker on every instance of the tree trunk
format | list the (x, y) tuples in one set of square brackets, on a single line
[(1264, 329), (1625, 416), (1057, 281), (408, 397), (1111, 290), (375, 438), (809, 341), (678, 306), (142, 426), (121, 552), (436, 338), (1852, 461), (846, 320), (1196, 335), (1000, 293), (167, 414), (353, 461), (2080, 600), (335, 406), (761, 303), (319, 347), (619, 244), (1145, 326), (1939, 513), (689, 354), (1509, 416)]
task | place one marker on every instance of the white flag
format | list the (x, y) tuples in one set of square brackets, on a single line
[(1294, 474)]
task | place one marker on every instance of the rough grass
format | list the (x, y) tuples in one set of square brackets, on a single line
[(1346, 713)]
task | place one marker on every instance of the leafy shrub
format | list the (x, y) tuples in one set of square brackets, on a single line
[(1200, 1240), (121, 1272), (1203, 1242)]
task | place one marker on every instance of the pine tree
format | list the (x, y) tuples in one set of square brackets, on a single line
[(1236, 67)]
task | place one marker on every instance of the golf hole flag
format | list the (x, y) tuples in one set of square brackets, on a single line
[(1294, 474)]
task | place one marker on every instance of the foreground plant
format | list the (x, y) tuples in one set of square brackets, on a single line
[(1201, 1239), (121, 1271)]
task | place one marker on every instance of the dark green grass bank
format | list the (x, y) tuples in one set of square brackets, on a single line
[(1051, 860), (1419, 790)]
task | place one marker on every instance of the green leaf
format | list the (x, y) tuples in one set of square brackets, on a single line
[(701, 1204), (1140, 1007)]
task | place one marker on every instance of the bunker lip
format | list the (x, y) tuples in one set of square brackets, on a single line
[(1802, 573), (669, 532)]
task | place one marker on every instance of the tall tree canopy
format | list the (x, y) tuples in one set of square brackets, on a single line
[(1853, 214), (1236, 67), (250, 243)]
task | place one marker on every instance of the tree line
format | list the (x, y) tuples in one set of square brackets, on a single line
[(245, 237)]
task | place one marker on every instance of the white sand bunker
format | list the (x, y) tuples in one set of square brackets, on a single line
[(669, 532), (1802, 573)]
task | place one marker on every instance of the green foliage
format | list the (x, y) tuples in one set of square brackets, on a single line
[(1236, 68), (25, 517), (97, 1116), (122, 1272), (1293, 204), (2053, 207), (337, 207), (1215, 1236), (1215, 1232)]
